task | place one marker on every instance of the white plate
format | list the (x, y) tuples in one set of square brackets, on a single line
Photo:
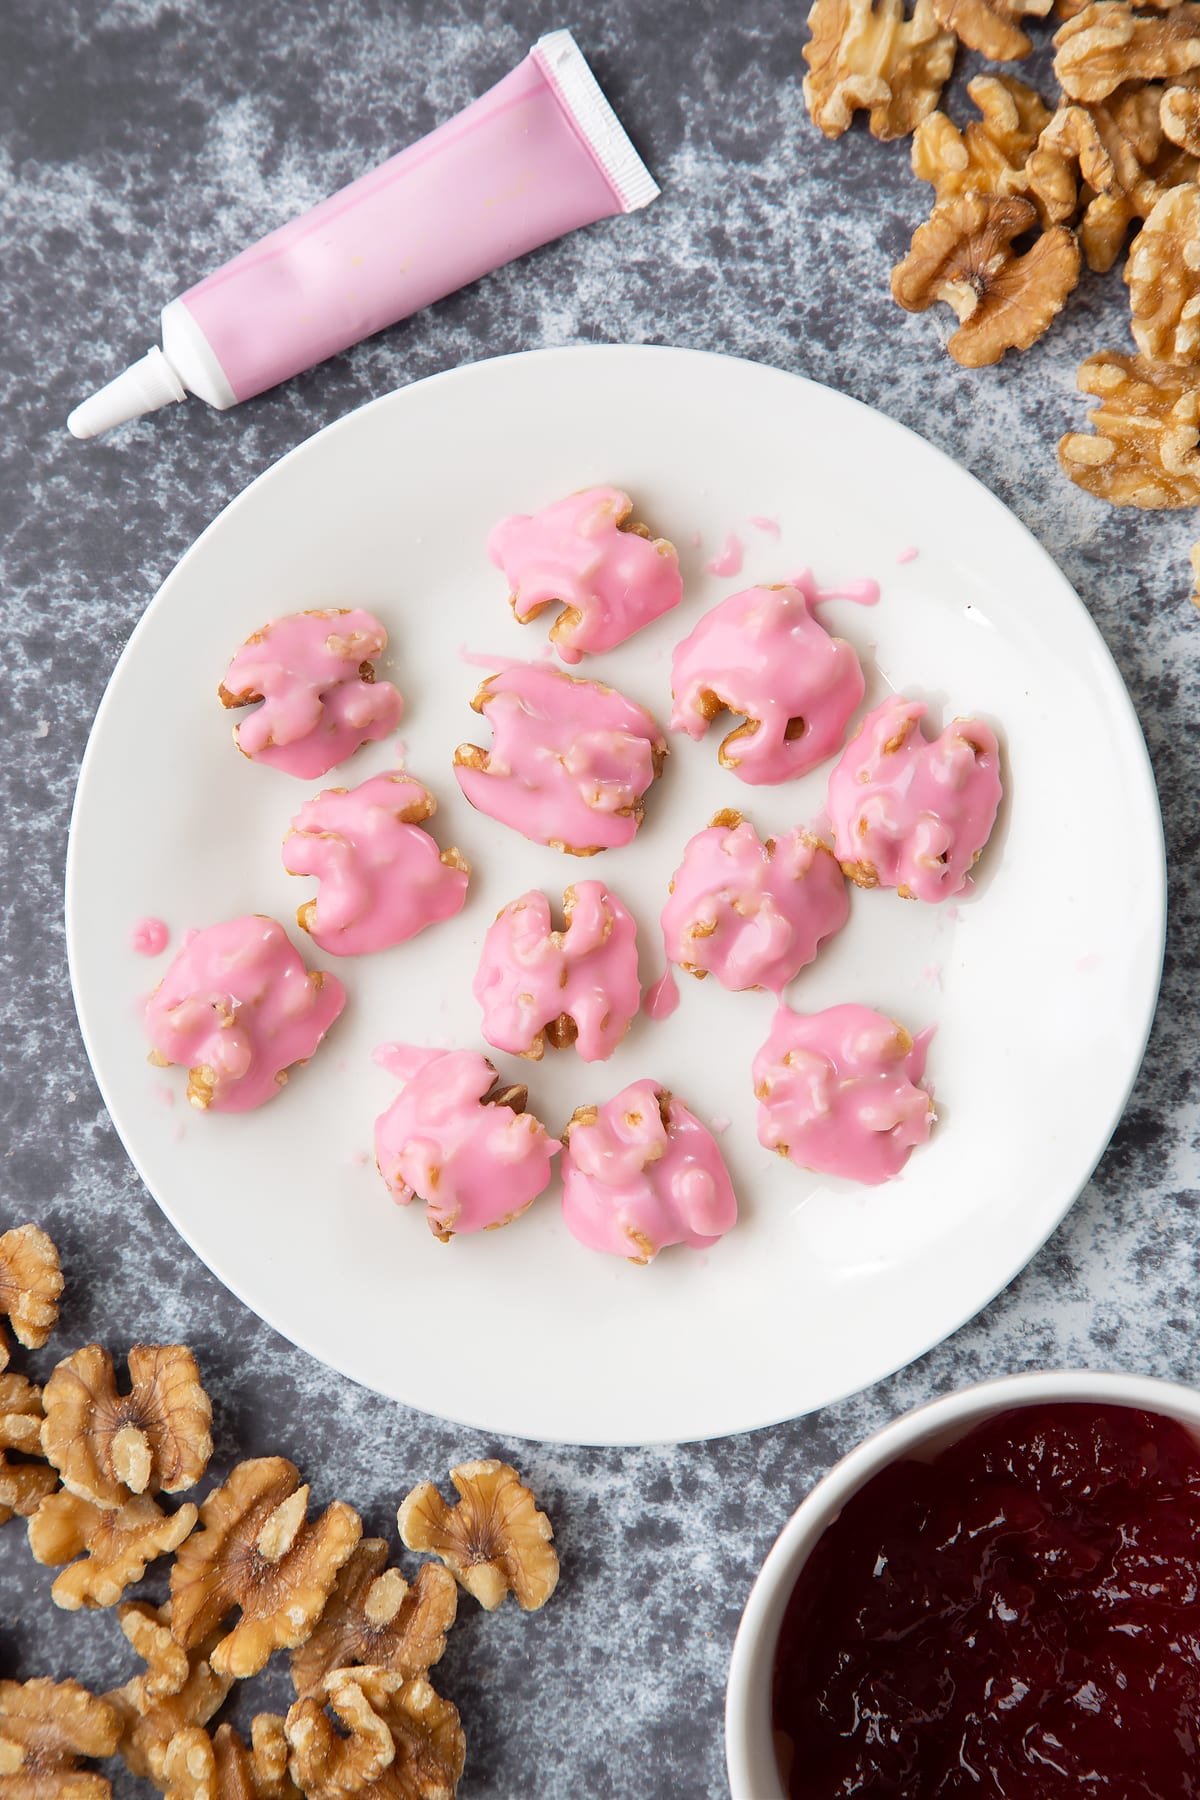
[(1042, 986)]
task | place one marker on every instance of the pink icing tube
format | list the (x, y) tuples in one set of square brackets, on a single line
[(538, 155)]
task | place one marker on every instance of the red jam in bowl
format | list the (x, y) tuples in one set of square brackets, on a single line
[(1019, 1616)]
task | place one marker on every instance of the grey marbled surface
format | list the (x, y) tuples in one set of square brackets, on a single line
[(141, 142)]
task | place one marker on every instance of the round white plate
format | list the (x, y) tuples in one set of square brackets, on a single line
[(1041, 986)]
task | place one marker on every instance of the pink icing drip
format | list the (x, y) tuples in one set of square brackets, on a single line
[(632, 1183), (530, 974), (751, 914), (663, 998), (763, 654), (837, 1092), (574, 554), (908, 555), (317, 709), (382, 877), (149, 937), (864, 592), (238, 1005), (697, 540), (728, 561), (476, 1165), (762, 523), (910, 814), (570, 761)]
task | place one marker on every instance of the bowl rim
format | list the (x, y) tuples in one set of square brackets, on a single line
[(749, 1748)]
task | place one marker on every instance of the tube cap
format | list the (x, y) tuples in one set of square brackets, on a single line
[(143, 387)]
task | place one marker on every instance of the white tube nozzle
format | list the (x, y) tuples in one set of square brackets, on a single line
[(142, 388)]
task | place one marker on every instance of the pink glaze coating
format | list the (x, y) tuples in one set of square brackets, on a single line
[(642, 1172), (570, 761), (862, 590), (752, 914), (477, 1164), (910, 814), (149, 937), (728, 560), (313, 673), (761, 653), (837, 1092), (576, 985), (581, 554), (238, 1008), (382, 878)]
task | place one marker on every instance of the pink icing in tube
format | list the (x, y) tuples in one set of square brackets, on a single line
[(575, 986), (752, 914), (238, 1009), (538, 155), (149, 937), (314, 675), (762, 654), (909, 814), (472, 1154), (570, 762), (382, 878), (610, 577), (837, 1092), (642, 1172)]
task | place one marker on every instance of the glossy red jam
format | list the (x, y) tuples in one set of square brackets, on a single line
[(1018, 1617)]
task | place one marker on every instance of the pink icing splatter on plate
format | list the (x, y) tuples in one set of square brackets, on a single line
[(465, 1146), (570, 761), (907, 555), (313, 673), (663, 998), (575, 985), (911, 814), (238, 1009), (837, 1092), (750, 913), (728, 560), (761, 522), (862, 591), (641, 1172), (149, 937), (583, 554), (761, 653), (382, 877)]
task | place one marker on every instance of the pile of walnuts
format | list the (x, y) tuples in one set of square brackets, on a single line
[(1023, 194), (87, 1464)]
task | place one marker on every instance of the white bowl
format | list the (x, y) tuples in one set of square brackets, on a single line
[(749, 1746)]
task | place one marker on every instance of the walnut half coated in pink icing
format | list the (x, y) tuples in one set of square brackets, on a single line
[(314, 674), (641, 1172), (575, 985), (238, 1009), (586, 555), (382, 878), (465, 1146), (837, 1092), (570, 760), (762, 654), (750, 913), (911, 814)]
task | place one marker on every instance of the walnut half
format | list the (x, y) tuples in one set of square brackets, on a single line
[(871, 56), (964, 256), (31, 1283), (258, 1552), (113, 1548), (375, 1618), (45, 1728), (495, 1540), (109, 1446), (990, 26), (1143, 451), (1163, 277), (400, 1739), (1108, 44), (990, 154), (23, 1485)]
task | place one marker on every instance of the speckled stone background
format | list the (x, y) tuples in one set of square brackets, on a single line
[(140, 144)]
